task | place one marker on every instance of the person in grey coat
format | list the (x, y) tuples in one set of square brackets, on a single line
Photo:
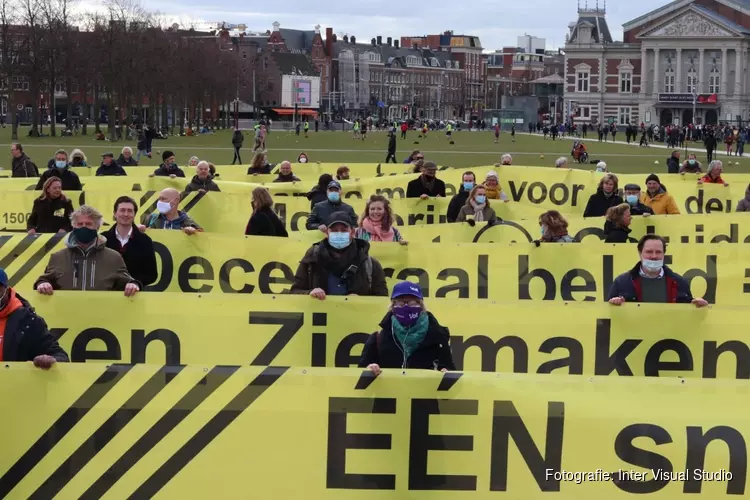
[(744, 203), (323, 210)]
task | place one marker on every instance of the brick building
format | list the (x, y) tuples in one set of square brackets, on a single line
[(467, 50), (688, 54)]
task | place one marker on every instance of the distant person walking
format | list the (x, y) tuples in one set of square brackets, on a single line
[(237, 140)]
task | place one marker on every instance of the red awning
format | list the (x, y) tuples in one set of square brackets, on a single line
[(301, 112)]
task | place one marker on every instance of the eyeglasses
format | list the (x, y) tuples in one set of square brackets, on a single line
[(402, 303)]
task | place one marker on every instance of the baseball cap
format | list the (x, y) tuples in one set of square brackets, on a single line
[(334, 185), (339, 218), (406, 288), (111, 155), (632, 187), (3, 277)]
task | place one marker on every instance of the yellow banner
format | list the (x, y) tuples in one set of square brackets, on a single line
[(207, 263), (189, 432), (575, 339)]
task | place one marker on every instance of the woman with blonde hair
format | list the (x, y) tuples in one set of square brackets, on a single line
[(606, 196), (376, 223), (77, 159), (617, 226), (264, 221), (51, 211), (554, 228), (477, 207)]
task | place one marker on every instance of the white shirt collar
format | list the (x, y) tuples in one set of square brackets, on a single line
[(123, 241), (644, 275)]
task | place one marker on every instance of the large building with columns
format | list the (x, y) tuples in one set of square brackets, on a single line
[(686, 55)]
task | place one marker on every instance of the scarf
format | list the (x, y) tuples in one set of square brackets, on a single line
[(478, 210), (376, 231), (608, 195), (429, 185), (337, 261), (493, 193), (410, 338)]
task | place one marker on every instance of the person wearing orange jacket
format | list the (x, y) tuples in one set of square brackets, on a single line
[(657, 198), (24, 335)]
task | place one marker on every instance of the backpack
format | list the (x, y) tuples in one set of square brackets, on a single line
[(368, 268)]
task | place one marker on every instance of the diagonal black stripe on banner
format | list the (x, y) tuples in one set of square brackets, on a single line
[(208, 432), (449, 380), (106, 432), (20, 248), (35, 259), (4, 239), (197, 395), (61, 427), (365, 379), (192, 203)]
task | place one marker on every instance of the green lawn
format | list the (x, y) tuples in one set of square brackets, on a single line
[(470, 149)]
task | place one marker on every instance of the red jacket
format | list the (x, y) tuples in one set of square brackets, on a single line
[(707, 179), (404, 127)]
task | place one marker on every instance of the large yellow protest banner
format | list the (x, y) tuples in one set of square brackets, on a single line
[(151, 431), (207, 263), (576, 339)]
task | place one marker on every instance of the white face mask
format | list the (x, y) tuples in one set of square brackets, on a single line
[(652, 266), (163, 207)]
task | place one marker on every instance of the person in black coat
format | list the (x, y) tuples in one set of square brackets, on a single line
[(58, 167), (136, 248), (459, 200), (605, 197), (259, 165), (673, 163), (322, 211), (710, 142), (410, 337), (633, 198), (26, 336), (126, 158), (617, 226), (52, 210), (320, 192), (237, 140), (109, 166), (202, 181), (264, 221), (391, 155), (426, 185), (168, 168)]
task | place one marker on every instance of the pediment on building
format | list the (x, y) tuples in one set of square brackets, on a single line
[(691, 24)]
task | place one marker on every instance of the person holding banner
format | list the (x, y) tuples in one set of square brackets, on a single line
[(342, 173), (136, 248), (168, 168), (86, 264), (492, 186), (633, 198), (339, 265), (167, 216), (477, 208), (202, 181), (51, 211), (285, 173), (109, 166), (259, 165), (24, 336), (605, 197), (264, 221), (321, 213), (617, 226), (58, 167), (126, 158), (650, 280), (657, 198), (690, 166), (376, 224), (410, 337), (426, 185), (468, 181), (713, 175)]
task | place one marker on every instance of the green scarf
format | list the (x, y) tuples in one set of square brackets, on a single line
[(410, 338)]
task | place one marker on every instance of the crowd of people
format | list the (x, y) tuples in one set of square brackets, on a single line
[(123, 257)]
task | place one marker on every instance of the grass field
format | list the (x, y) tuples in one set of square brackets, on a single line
[(470, 149)]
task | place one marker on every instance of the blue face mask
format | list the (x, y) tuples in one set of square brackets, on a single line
[(632, 199), (468, 186), (334, 196), (480, 198), (61, 164), (339, 241)]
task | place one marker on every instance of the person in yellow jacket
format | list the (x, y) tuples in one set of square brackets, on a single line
[(657, 198)]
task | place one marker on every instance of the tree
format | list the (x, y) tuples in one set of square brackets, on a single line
[(11, 40), (33, 57)]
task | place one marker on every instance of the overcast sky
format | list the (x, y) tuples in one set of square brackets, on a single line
[(497, 23)]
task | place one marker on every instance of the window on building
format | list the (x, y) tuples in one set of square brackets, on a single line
[(626, 82), (623, 116), (582, 81), (692, 81), (585, 112), (20, 83), (714, 82), (59, 87), (669, 81)]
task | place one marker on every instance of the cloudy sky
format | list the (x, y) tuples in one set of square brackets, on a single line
[(497, 23)]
